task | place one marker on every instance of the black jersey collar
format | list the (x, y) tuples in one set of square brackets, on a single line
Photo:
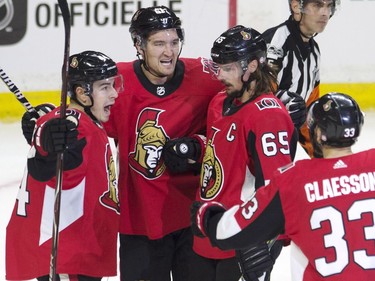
[(163, 90)]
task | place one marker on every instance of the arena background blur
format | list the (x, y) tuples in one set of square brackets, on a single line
[(32, 40)]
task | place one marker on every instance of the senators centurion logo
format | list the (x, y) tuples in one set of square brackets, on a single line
[(109, 198), (150, 140), (212, 177)]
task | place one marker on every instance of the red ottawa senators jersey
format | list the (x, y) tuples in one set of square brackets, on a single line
[(245, 145), (89, 208), (155, 203), (325, 206)]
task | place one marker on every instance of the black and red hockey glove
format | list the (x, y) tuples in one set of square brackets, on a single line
[(29, 118), (200, 213), (256, 262), (58, 134)]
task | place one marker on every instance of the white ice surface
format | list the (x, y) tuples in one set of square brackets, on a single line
[(13, 151)]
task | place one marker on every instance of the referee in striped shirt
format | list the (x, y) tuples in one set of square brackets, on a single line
[(293, 51)]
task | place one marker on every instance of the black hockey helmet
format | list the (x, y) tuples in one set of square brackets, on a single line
[(339, 118), (88, 67), (239, 43), (147, 20)]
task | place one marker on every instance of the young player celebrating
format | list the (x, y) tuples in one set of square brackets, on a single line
[(328, 213), (89, 206)]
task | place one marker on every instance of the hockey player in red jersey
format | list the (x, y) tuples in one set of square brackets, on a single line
[(89, 203), (249, 135), (165, 97), (325, 206)]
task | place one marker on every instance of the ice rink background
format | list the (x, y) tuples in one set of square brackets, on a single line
[(13, 151)]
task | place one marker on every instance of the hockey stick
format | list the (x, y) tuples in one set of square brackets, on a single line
[(63, 4), (14, 89)]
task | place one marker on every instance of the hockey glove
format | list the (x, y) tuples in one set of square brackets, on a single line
[(200, 213), (29, 119), (58, 134), (181, 155), (295, 105), (256, 262)]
